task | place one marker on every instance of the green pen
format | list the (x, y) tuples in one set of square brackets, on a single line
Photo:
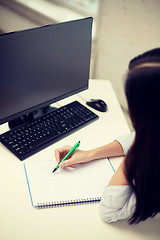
[(73, 149)]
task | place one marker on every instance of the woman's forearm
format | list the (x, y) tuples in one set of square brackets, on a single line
[(119, 177), (113, 149)]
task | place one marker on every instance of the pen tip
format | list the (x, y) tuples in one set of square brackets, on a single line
[(54, 170)]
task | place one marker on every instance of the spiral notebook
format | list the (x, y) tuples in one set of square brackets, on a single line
[(68, 186)]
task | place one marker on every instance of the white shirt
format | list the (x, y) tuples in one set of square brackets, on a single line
[(118, 202)]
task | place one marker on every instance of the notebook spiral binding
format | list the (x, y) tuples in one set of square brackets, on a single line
[(68, 203)]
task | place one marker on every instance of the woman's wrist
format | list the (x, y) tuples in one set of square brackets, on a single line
[(91, 155), (95, 154)]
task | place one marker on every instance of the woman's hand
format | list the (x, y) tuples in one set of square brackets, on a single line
[(79, 156)]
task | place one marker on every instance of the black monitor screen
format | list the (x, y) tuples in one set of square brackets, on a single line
[(43, 65)]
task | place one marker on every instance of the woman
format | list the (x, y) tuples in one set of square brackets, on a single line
[(134, 190)]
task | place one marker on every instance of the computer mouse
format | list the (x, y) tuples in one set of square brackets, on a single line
[(97, 104)]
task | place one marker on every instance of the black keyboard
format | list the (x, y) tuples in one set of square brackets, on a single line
[(29, 138)]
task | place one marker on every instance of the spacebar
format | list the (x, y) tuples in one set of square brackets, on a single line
[(45, 140)]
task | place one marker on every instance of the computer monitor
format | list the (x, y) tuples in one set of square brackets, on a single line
[(42, 65)]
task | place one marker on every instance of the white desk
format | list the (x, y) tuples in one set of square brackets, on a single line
[(20, 221)]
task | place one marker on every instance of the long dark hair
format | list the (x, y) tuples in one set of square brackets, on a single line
[(142, 164)]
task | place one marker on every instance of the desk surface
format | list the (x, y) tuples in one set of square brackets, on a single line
[(20, 221)]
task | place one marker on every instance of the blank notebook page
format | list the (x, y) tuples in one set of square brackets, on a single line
[(82, 184)]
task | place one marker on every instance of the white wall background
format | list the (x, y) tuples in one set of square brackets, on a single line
[(126, 29)]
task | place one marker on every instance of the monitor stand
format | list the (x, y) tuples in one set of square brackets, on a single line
[(30, 116)]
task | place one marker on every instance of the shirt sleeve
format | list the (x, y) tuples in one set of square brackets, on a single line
[(117, 202), (126, 141)]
